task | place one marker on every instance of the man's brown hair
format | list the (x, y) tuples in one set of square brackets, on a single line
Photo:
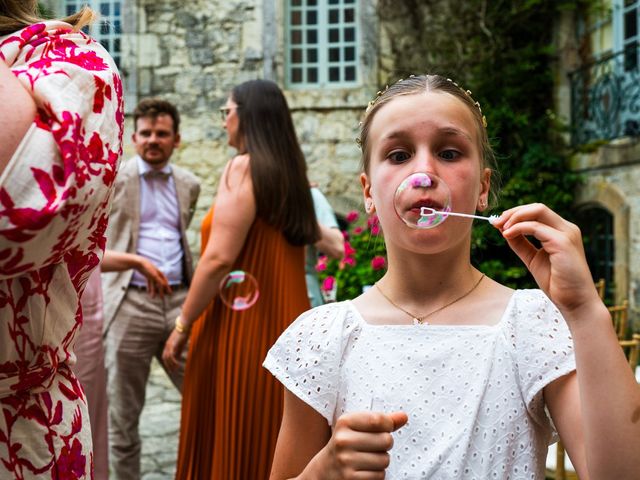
[(152, 108)]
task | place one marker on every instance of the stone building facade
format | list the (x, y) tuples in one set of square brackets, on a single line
[(193, 53)]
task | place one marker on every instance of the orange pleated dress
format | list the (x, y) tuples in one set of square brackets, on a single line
[(231, 406)]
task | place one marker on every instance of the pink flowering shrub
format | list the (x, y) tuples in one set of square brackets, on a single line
[(364, 263)]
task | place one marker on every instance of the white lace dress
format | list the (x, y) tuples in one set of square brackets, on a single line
[(473, 393)]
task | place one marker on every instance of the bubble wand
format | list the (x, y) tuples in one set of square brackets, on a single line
[(430, 212)]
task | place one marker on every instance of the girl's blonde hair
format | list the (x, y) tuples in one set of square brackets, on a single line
[(18, 14), (431, 83)]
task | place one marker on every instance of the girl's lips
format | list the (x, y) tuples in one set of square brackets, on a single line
[(426, 203)]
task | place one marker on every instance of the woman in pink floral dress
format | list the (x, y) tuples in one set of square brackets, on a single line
[(59, 148)]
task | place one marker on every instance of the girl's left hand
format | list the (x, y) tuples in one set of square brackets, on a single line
[(559, 266)]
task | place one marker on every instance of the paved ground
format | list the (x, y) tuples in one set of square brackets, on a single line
[(159, 426)]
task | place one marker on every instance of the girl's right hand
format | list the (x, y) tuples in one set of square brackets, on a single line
[(359, 446), (559, 265)]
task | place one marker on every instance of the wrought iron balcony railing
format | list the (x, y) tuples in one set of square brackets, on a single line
[(605, 99)]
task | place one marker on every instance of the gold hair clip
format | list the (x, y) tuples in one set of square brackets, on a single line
[(476, 103), (370, 105), (373, 102)]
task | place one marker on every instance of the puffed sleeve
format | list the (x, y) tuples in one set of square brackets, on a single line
[(543, 348), (55, 190), (307, 357)]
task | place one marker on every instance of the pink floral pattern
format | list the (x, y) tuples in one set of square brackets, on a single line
[(54, 202), (378, 262)]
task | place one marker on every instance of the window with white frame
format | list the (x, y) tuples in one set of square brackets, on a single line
[(628, 31), (108, 29), (322, 43)]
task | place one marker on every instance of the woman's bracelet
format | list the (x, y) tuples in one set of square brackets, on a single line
[(181, 327)]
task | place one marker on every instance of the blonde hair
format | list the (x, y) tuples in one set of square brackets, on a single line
[(18, 14)]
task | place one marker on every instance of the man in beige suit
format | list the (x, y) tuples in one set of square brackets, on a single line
[(152, 207)]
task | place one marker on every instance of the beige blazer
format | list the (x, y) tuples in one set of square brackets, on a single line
[(124, 224)]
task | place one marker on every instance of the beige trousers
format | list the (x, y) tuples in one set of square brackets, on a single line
[(137, 334)]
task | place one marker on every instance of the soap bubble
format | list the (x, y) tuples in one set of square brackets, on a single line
[(239, 290), (422, 200)]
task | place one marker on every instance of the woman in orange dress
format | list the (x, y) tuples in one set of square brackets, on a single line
[(231, 407)]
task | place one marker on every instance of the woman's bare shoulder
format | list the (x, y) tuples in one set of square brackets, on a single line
[(237, 171)]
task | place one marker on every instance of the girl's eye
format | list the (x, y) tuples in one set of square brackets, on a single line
[(399, 156), (449, 154)]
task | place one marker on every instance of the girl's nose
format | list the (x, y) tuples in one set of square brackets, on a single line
[(424, 161)]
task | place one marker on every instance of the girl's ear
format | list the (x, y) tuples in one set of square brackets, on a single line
[(485, 186), (369, 206)]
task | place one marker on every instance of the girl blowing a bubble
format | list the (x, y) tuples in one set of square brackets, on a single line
[(440, 372)]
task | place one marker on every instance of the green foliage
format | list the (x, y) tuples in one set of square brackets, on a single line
[(364, 262), (516, 90)]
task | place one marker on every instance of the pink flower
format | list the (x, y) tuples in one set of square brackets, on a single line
[(352, 216), (358, 230), (375, 229), (328, 284), (347, 261), (378, 262), (349, 250), (372, 220), (321, 264)]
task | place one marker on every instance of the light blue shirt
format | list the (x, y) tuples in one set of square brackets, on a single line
[(326, 217), (159, 236)]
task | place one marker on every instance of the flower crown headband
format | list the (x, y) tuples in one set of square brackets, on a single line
[(371, 104)]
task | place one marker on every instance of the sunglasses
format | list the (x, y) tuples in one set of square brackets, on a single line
[(224, 111)]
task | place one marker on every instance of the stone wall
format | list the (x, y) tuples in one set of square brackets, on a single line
[(193, 53), (612, 180)]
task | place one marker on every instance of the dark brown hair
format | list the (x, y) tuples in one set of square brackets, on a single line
[(415, 85), (18, 14), (152, 107), (278, 167)]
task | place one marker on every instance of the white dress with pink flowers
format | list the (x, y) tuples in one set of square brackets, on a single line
[(54, 204)]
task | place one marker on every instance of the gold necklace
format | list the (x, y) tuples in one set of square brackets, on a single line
[(419, 320)]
